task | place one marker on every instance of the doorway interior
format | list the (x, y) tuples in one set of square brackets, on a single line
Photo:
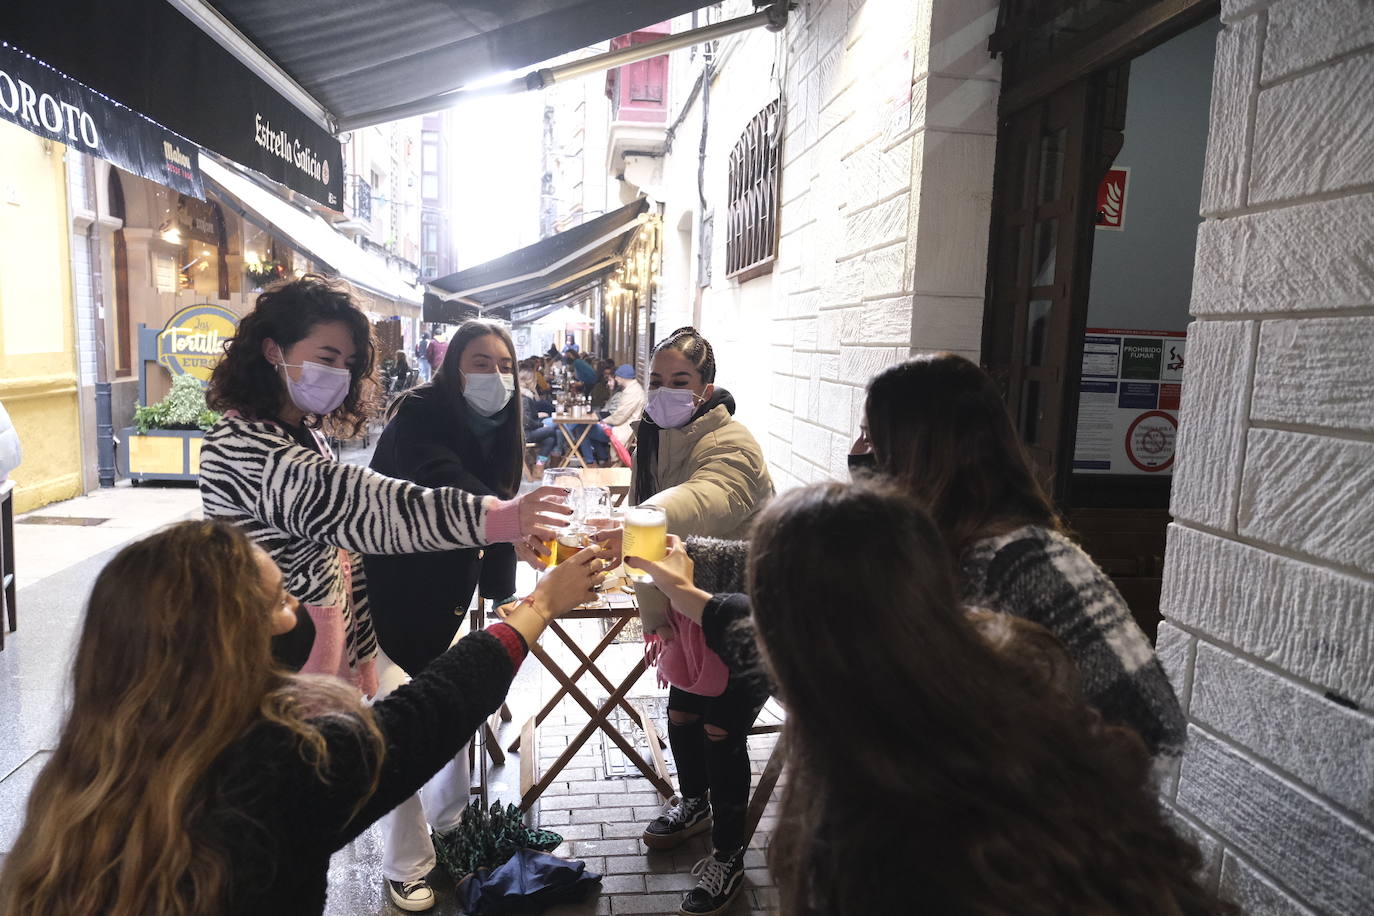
[(1095, 216)]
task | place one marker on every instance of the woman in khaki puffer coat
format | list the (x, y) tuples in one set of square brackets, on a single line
[(704, 469)]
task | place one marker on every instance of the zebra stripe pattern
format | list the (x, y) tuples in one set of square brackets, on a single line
[(303, 508)]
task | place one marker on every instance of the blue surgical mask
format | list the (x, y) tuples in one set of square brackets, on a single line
[(670, 408), (488, 392)]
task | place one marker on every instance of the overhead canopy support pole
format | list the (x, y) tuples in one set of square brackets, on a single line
[(774, 18)]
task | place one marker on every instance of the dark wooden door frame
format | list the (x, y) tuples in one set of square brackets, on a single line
[(1092, 72), (1153, 25)]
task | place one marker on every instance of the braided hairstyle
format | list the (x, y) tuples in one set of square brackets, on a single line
[(697, 351), (689, 342)]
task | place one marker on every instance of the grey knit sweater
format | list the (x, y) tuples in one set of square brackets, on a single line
[(1034, 573)]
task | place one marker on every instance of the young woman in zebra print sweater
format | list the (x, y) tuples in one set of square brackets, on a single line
[(304, 354)]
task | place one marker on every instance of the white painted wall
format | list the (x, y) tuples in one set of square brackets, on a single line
[(1269, 577)]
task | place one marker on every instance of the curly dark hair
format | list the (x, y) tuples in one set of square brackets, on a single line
[(973, 777), (287, 312)]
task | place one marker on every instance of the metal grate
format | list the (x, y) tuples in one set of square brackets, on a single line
[(752, 243), (617, 765)]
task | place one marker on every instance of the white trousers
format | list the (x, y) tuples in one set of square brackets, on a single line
[(409, 852)]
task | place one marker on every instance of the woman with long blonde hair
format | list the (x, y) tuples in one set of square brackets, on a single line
[(196, 775)]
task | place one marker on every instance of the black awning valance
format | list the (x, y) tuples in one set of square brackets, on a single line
[(549, 268), (148, 55)]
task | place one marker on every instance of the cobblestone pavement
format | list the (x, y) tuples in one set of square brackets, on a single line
[(600, 818)]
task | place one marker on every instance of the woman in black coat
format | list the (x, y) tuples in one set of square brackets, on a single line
[(463, 429)]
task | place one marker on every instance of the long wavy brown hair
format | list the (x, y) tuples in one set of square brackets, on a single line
[(507, 455), (174, 664), (933, 769), (287, 312), (939, 426)]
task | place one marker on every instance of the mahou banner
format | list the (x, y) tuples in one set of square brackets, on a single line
[(49, 103)]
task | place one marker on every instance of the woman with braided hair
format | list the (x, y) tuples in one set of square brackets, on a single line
[(706, 471)]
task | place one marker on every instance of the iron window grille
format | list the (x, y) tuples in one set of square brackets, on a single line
[(362, 198), (751, 246)]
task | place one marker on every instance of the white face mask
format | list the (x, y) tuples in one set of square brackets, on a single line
[(487, 392), (321, 388)]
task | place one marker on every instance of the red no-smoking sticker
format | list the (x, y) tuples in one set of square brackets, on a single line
[(1150, 440)]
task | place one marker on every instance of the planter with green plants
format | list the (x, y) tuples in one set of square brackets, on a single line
[(164, 442)]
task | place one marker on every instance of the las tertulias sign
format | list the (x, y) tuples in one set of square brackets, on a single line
[(193, 340), (51, 104)]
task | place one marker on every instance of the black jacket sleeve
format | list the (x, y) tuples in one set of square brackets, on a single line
[(729, 631), (424, 723), (420, 455)]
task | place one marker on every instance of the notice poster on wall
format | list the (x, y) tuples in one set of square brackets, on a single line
[(1128, 401)]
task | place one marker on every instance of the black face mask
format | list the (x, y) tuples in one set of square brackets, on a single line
[(291, 649), (866, 463)]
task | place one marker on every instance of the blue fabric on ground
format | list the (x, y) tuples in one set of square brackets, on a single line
[(528, 881)]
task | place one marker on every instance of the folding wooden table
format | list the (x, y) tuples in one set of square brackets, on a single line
[(620, 608), (564, 422)]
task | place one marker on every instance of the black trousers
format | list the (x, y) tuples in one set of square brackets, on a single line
[(718, 766)]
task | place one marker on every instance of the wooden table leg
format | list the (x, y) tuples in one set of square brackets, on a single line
[(587, 662), (598, 719), (647, 723), (581, 670), (573, 453)]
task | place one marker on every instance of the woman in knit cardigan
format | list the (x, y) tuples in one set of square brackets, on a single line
[(938, 427), (938, 760), (195, 775), (304, 357)]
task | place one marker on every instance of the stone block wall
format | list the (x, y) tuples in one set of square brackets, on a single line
[(1269, 582), (886, 188)]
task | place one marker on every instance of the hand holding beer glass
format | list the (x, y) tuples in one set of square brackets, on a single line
[(646, 536), (570, 481)]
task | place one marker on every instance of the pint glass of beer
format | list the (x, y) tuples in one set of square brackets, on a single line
[(646, 536), (569, 541)]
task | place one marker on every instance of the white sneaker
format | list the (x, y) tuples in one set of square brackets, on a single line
[(412, 896)]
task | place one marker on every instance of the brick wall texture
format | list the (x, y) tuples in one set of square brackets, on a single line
[(886, 189), (1269, 582)]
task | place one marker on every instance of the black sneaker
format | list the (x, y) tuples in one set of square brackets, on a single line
[(719, 881), (412, 896), (686, 819)]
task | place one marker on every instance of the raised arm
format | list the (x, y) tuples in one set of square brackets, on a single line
[(296, 490), (720, 494)]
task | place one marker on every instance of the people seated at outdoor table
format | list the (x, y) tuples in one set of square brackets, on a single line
[(600, 392), (582, 370), (305, 356), (939, 760), (534, 407), (623, 409), (195, 773), (462, 430), (706, 471)]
